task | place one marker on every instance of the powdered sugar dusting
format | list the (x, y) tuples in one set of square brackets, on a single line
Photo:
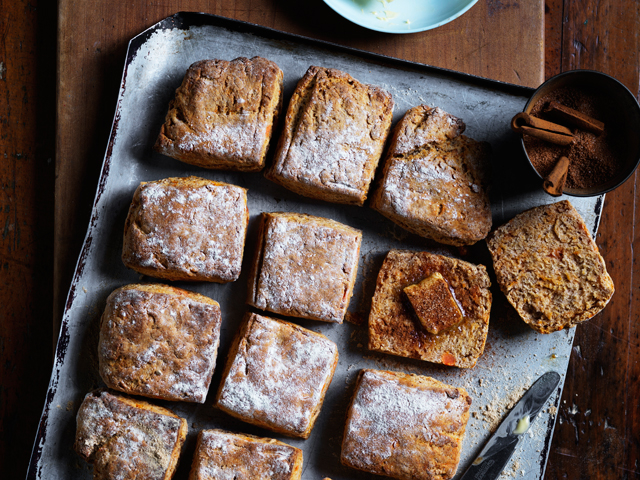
[(279, 375)]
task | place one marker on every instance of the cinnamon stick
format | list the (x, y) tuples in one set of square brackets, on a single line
[(553, 183), (575, 118), (536, 127)]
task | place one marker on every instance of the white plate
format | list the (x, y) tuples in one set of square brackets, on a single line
[(400, 16)]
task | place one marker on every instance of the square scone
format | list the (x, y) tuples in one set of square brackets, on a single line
[(305, 266), (160, 342), (125, 438), (435, 180), (394, 327), (409, 427), (276, 375), (221, 455), (186, 229), (223, 114), (549, 267), (333, 137)]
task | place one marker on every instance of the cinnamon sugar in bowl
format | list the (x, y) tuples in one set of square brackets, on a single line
[(597, 163)]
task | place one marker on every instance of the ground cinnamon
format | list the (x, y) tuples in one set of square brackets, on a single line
[(593, 159)]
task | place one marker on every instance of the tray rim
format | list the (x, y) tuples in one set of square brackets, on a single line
[(184, 20)]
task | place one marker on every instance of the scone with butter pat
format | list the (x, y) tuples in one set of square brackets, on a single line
[(408, 427), (549, 267), (434, 181), (128, 439), (333, 137), (160, 342), (277, 375), (186, 229), (222, 455), (305, 266), (223, 114), (394, 327)]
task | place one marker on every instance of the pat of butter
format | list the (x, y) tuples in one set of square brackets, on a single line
[(523, 425)]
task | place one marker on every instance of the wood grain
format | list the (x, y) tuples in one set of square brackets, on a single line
[(27, 126), (598, 430)]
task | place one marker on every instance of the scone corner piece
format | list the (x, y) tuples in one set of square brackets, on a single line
[(305, 266), (223, 114), (277, 375), (405, 426), (124, 437), (186, 228), (549, 267), (334, 134), (159, 341), (394, 327)]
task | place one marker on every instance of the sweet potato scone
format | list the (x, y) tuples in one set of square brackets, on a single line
[(159, 342), (394, 327), (549, 267), (333, 137), (223, 455), (305, 266), (186, 229), (409, 427), (277, 375), (223, 114), (127, 439), (434, 180)]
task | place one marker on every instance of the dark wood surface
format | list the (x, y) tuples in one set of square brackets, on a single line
[(598, 429)]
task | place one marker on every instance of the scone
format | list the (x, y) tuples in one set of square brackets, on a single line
[(128, 439), (277, 375), (186, 229), (549, 267), (333, 137), (224, 455), (409, 427), (223, 114), (394, 328), (304, 266), (434, 181), (158, 341)]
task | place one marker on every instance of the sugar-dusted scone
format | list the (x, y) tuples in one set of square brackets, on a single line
[(549, 267), (394, 328), (409, 427), (186, 229), (434, 181), (304, 266), (333, 137), (223, 114), (159, 342), (276, 375), (127, 439), (223, 455)]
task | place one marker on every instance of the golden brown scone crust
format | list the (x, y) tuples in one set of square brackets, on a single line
[(128, 439), (305, 266), (221, 455), (435, 180), (276, 375), (409, 427), (333, 137), (186, 229), (549, 267), (160, 342), (223, 114), (393, 327)]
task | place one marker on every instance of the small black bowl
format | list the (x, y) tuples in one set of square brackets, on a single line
[(626, 107)]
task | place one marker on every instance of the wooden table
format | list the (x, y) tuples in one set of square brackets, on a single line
[(598, 431)]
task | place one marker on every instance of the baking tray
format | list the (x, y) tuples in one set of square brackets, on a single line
[(156, 61)]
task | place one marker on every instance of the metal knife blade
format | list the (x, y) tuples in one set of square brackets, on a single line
[(496, 453)]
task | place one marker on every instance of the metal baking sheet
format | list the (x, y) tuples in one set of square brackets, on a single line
[(156, 61)]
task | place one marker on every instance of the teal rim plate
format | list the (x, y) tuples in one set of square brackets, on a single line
[(400, 16)]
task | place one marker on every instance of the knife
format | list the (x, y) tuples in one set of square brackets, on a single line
[(500, 447)]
